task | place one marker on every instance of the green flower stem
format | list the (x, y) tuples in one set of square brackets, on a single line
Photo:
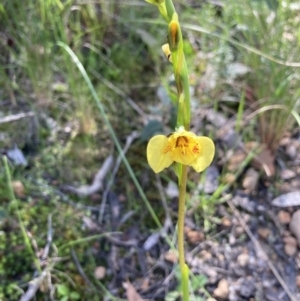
[(186, 93), (182, 83), (180, 232), (184, 118)]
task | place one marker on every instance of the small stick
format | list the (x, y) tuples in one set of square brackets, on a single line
[(34, 286), (97, 184), (15, 117), (49, 238), (35, 283)]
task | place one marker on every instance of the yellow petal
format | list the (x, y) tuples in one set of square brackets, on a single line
[(158, 159), (206, 156)]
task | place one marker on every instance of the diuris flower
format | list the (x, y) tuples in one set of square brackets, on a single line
[(183, 147)]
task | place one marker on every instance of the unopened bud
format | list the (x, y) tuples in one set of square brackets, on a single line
[(174, 33), (167, 52)]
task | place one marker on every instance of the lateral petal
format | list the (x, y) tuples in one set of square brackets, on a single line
[(158, 157), (207, 152)]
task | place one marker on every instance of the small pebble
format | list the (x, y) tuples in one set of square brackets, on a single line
[(100, 272), (263, 232), (194, 237), (243, 259), (239, 230), (171, 256), (18, 188), (226, 222), (291, 151), (294, 225), (284, 217), (287, 174), (250, 180), (222, 290), (290, 240), (205, 255), (290, 250)]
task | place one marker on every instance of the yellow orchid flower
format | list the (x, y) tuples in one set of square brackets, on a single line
[(183, 147)]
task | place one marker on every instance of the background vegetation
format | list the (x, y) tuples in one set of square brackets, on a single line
[(242, 58)]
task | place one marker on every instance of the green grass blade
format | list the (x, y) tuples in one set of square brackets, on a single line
[(111, 130)]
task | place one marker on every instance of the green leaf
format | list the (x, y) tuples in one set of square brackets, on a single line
[(63, 290), (178, 170), (153, 127), (198, 282), (74, 296)]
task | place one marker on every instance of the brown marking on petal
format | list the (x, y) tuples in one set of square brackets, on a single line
[(183, 143), (196, 149), (180, 143), (174, 33), (167, 149), (185, 139)]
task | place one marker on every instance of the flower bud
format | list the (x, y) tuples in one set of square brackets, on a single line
[(167, 52), (174, 33)]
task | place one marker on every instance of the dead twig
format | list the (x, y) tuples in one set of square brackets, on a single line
[(49, 239), (36, 283), (15, 117), (34, 286), (97, 184)]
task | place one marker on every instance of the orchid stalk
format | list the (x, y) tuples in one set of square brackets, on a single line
[(182, 148)]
